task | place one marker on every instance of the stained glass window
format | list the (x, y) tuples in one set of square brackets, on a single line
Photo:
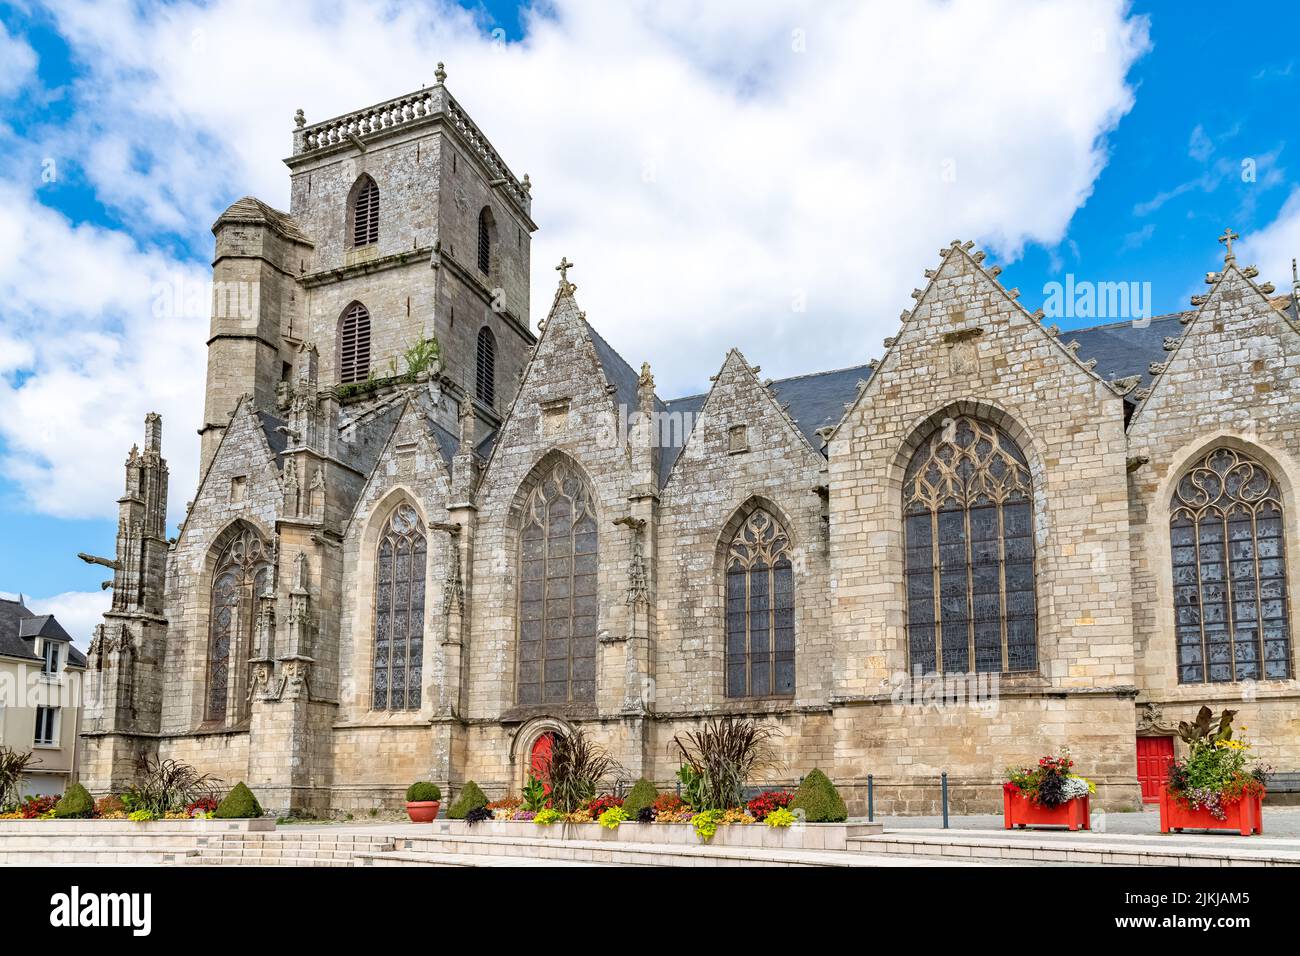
[(399, 611), (969, 552), (242, 572), (557, 591), (1229, 566), (760, 609)]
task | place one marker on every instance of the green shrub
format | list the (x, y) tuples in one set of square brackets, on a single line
[(76, 802), (643, 794), (423, 792), (239, 804), (819, 800), (471, 798)]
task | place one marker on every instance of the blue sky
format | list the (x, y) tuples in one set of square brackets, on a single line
[(1108, 143)]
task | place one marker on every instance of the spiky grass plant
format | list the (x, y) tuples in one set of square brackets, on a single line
[(722, 755), (576, 769), (166, 786), (13, 764)]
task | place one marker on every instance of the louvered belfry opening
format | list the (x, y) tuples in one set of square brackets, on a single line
[(485, 241), (365, 214), (354, 345), (485, 372)]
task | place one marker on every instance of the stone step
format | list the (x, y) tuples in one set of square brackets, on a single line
[(162, 841), (421, 858), (218, 860), (91, 855), (1081, 848), (644, 854), (252, 854)]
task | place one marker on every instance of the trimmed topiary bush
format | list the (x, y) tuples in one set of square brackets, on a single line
[(423, 792), (239, 804), (643, 794), (819, 800), (76, 802), (471, 798)]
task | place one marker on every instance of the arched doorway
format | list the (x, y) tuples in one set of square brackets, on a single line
[(539, 759)]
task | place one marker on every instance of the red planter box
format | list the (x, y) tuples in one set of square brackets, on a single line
[(1019, 811), (1246, 816)]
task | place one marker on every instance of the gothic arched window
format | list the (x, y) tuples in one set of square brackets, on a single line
[(354, 344), (399, 611), (242, 572), (557, 591), (485, 240), (968, 525), (485, 384), (1229, 565), (365, 212), (760, 609)]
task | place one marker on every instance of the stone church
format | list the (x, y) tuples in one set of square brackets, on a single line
[(995, 540)]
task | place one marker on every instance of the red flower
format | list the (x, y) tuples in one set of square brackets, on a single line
[(766, 802)]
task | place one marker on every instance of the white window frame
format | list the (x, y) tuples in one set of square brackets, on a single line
[(52, 740), (50, 658)]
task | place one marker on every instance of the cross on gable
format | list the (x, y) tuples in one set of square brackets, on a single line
[(1227, 239), (563, 268)]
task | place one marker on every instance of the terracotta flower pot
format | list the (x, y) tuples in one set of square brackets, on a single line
[(1246, 815), (1019, 811), (423, 811)]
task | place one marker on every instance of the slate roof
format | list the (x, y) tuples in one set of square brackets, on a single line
[(1123, 348), (19, 629), (277, 439), (814, 401), (369, 438), (447, 442), (817, 400), (249, 209), (617, 372)]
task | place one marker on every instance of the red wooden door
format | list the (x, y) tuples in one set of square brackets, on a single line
[(1154, 755), (540, 760)]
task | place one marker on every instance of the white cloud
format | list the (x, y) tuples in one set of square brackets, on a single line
[(77, 611), (17, 62), (1272, 247), (705, 164), (77, 306)]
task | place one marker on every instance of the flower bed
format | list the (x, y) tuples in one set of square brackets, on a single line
[(806, 836), (1020, 811), (1211, 788), (1244, 815), (1046, 795), (100, 825)]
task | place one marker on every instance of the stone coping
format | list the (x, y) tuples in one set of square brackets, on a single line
[(805, 836), (92, 827)]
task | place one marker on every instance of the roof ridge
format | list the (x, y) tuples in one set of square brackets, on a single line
[(1125, 322), (780, 381)]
